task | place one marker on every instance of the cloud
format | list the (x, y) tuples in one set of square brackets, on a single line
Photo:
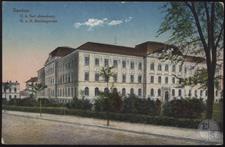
[(95, 22), (115, 22)]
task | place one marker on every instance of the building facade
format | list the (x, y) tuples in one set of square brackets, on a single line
[(29, 83), (72, 72), (10, 90)]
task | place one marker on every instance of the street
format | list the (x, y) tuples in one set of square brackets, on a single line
[(23, 130)]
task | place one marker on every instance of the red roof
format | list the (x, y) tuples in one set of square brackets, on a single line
[(32, 79)]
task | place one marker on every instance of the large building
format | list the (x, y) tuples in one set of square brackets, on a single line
[(138, 70), (10, 90)]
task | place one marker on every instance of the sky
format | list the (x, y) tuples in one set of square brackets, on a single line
[(26, 45)]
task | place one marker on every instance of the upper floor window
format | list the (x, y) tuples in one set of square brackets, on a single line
[(159, 92), (139, 79), (174, 68), (201, 92), (86, 60), (189, 94), (159, 79), (86, 76), (173, 80), (166, 67), (180, 92), (159, 67), (124, 78), (115, 63), (96, 77), (152, 66), (15, 90), (196, 93), (131, 65), (185, 69), (173, 92), (166, 80), (106, 62), (124, 64), (140, 66), (152, 92), (152, 79), (132, 78), (96, 62)]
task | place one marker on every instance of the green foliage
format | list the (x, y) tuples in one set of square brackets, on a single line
[(134, 118), (184, 108), (133, 104), (76, 103), (111, 102)]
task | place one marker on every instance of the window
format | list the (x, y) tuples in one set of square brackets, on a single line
[(179, 92), (140, 66), (159, 79), (106, 62), (131, 91), (139, 92), (189, 94), (106, 90), (115, 63), (86, 91), (180, 68), (166, 80), (9, 90), (14, 96), (216, 92), (124, 78), (123, 92), (15, 90), (139, 79), (174, 68), (152, 79), (96, 77), (69, 91), (159, 67), (173, 80), (152, 66), (86, 76), (131, 65), (114, 90), (132, 78), (10, 96), (152, 92), (185, 69), (180, 81), (206, 93), (86, 60), (115, 77), (124, 64), (96, 62), (201, 93), (96, 91), (159, 92), (173, 92), (166, 67)]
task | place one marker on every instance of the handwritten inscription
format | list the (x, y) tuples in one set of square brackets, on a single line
[(26, 16)]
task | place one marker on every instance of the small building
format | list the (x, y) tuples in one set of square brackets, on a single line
[(10, 90), (31, 81)]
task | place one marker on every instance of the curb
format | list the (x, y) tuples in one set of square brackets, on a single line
[(117, 129)]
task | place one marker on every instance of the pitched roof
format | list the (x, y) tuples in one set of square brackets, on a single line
[(32, 79), (108, 48), (61, 51)]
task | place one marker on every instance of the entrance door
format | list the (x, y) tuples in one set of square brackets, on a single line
[(166, 96)]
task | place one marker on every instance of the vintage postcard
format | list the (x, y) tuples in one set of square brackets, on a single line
[(118, 72)]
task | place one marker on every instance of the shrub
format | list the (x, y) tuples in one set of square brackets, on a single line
[(80, 104), (184, 108)]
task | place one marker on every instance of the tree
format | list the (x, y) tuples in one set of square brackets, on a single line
[(106, 73), (197, 28), (35, 88)]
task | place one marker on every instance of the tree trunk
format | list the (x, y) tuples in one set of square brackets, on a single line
[(210, 99)]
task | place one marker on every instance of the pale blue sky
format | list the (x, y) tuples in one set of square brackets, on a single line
[(78, 22)]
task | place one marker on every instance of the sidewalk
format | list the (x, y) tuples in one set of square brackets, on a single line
[(163, 131)]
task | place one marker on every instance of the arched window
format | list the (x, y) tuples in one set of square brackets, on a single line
[(86, 91), (159, 92), (131, 91), (166, 67), (179, 92), (173, 92), (114, 89), (152, 92), (96, 91), (123, 92), (159, 67), (139, 92), (106, 90)]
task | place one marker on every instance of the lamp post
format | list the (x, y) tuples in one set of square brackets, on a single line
[(40, 106)]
